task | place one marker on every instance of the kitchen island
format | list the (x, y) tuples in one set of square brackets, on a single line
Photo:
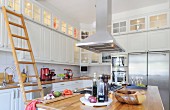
[(153, 102)]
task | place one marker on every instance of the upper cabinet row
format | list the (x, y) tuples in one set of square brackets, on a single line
[(41, 15), (154, 21)]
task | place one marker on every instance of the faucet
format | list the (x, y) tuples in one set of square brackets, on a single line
[(4, 83)]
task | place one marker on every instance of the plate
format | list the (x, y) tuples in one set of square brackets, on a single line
[(86, 102)]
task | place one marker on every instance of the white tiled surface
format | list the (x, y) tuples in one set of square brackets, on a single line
[(6, 60)]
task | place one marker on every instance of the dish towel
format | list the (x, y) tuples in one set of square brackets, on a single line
[(32, 105)]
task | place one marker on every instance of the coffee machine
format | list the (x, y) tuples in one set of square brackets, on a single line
[(47, 74), (68, 73)]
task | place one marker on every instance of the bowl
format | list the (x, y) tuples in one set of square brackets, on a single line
[(130, 97)]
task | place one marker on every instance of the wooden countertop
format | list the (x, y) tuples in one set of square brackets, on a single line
[(14, 85), (153, 102)]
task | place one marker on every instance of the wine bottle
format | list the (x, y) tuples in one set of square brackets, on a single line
[(94, 92)]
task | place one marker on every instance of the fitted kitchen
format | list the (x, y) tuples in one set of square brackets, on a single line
[(84, 54)]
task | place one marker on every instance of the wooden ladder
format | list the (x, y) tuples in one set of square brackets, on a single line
[(17, 63)]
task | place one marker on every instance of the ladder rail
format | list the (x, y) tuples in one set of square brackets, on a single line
[(14, 53), (32, 56)]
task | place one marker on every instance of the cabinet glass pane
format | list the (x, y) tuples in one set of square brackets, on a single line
[(75, 33), (158, 21), (153, 18), (153, 24), (162, 17), (36, 13), (133, 22), (63, 27), (78, 34), (47, 18), (116, 30), (95, 58), (115, 25), (122, 24), (0, 2), (141, 26), (84, 58), (17, 5), (55, 23), (134, 27), (28, 8), (141, 21), (123, 29), (10, 3), (70, 30), (162, 23)]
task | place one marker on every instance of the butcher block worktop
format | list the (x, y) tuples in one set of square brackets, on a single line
[(15, 85), (153, 102)]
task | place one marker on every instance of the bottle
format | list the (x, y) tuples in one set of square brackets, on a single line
[(94, 88), (101, 89), (106, 87)]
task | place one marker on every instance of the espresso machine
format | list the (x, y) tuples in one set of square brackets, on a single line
[(47, 74), (68, 73)]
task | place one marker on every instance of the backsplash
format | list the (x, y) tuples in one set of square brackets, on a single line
[(6, 60)]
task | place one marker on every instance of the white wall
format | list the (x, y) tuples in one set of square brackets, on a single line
[(6, 59)]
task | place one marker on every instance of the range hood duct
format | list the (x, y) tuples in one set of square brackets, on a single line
[(102, 40)]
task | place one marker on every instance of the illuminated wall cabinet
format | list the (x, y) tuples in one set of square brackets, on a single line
[(138, 24), (119, 27), (76, 53), (63, 27), (36, 13), (158, 21), (14, 5), (46, 18), (56, 23), (32, 10), (70, 30)]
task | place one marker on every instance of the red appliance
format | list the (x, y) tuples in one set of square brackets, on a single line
[(47, 74), (68, 73)]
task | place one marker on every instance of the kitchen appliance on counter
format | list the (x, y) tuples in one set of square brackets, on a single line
[(68, 73), (47, 74), (83, 69), (154, 68)]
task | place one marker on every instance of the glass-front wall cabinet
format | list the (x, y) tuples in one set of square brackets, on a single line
[(28, 6), (46, 18), (158, 21), (137, 24), (95, 57), (63, 27), (13, 4), (70, 30), (85, 58), (119, 27), (37, 13), (56, 23)]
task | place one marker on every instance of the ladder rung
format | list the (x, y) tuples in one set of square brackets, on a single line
[(22, 49), (11, 12), (21, 37), (15, 24), (24, 62), (37, 90)]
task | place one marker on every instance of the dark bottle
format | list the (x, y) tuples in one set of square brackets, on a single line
[(106, 87), (94, 92), (101, 89)]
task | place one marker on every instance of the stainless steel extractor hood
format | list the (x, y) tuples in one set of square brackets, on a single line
[(102, 40)]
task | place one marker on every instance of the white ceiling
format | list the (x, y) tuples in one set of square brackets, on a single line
[(84, 10)]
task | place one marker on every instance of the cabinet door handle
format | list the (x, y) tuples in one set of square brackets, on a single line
[(18, 92), (14, 94), (61, 84)]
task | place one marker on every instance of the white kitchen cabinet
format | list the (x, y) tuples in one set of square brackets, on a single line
[(45, 44), (158, 40), (35, 36), (55, 46), (138, 24), (69, 50), (122, 41), (137, 42), (95, 58), (14, 30), (2, 34), (159, 20), (62, 49), (7, 99), (14, 5), (76, 53)]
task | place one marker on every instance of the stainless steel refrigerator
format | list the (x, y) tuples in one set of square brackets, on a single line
[(154, 67)]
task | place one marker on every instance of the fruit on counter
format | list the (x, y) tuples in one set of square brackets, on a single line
[(67, 92), (61, 75), (56, 93), (92, 99), (49, 96), (141, 85)]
